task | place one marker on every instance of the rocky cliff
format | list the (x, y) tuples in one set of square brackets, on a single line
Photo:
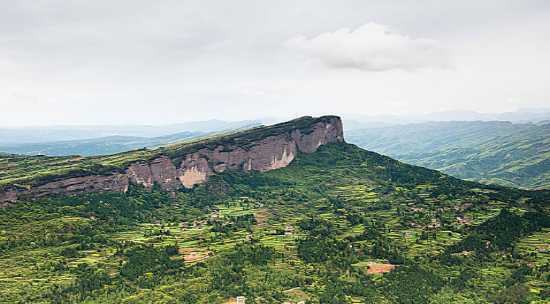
[(259, 149)]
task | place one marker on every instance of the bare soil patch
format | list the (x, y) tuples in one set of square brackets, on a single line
[(379, 268), (192, 256), (261, 217)]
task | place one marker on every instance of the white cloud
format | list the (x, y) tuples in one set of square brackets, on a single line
[(372, 47)]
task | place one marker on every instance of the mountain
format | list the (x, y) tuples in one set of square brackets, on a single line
[(95, 146), (171, 166), (360, 121), (332, 223), (44, 134), (499, 152)]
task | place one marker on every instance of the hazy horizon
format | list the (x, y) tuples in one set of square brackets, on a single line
[(530, 115)]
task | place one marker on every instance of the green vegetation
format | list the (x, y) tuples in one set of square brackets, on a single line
[(515, 155), (341, 225)]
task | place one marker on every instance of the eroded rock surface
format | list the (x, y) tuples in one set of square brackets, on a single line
[(277, 149)]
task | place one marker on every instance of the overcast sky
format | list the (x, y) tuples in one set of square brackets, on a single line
[(157, 62)]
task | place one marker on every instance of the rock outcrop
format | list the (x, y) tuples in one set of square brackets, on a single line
[(260, 149)]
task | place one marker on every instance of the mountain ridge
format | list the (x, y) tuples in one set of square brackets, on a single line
[(171, 167), (43, 134), (496, 152), (96, 146)]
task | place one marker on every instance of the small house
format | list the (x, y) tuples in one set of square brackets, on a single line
[(241, 300), (289, 230)]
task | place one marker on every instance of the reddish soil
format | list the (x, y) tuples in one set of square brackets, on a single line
[(191, 256), (380, 268)]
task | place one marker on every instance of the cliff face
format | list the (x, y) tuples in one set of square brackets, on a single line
[(264, 149)]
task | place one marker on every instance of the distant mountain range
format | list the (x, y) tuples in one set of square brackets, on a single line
[(358, 121), (104, 140), (505, 153), (96, 146), (41, 134)]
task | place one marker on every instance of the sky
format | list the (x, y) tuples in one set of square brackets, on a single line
[(159, 62)]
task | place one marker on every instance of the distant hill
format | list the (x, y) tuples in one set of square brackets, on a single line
[(104, 140), (41, 134), (487, 151), (360, 121), (95, 146)]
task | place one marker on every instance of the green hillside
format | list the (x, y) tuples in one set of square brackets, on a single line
[(516, 155), (341, 225)]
